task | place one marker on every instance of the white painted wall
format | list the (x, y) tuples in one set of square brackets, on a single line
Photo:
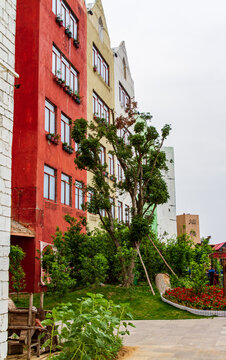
[(7, 58), (128, 85), (166, 213)]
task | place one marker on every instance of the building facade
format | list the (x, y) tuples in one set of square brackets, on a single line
[(189, 224), (53, 84), (124, 93), (7, 63), (166, 213), (100, 86)]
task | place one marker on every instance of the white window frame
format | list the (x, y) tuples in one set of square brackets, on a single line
[(102, 155), (79, 195), (111, 169), (120, 211), (101, 65), (65, 189), (59, 8), (65, 129), (49, 188), (100, 109), (62, 68), (50, 117)]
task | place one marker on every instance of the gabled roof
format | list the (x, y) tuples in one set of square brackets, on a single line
[(217, 247)]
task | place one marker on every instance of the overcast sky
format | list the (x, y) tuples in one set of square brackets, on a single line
[(177, 56)]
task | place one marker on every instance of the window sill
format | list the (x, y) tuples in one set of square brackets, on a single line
[(53, 138), (66, 89), (67, 148)]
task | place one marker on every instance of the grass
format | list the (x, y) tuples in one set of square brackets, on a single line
[(142, 304)]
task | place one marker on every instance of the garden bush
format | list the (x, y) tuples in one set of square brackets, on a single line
[(91, 332)]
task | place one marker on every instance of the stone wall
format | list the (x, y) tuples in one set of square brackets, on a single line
[(7, 58)]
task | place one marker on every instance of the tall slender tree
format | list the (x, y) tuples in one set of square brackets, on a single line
[(139, 154)]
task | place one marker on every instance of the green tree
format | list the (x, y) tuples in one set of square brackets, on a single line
[(15, 268), (142, 162), (200, 264)]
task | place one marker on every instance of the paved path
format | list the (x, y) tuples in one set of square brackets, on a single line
[(195, 339)]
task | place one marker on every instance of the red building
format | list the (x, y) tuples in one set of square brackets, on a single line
[(51, 60)]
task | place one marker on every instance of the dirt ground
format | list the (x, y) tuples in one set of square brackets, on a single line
[(126, 351)]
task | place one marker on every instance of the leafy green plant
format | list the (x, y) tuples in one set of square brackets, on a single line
[(56, 266), (199, 265), (93, 332), (17, 280), (142, 161)]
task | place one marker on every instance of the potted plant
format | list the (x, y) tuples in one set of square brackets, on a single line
[(112, 178), (63, 83), (59, 19), (70, 149), (48, 136), (68, 31), (95, 68), (76, 43), (69, 91), (64, 146), (105, 173), (78, 98), (56, 139), (58, 77)]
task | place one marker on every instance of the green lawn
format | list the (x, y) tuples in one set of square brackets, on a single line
[(142, 304)]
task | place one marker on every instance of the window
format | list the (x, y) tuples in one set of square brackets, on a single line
[(101, 66), (111, 164), (100, 109), (65, 129), (63, 69), (79, 195), (112, 207), (127, 217), (119, 172), (49, 117), (103, 212), (65, 189), (120, 211), (102, 155), (69, 20), (123, 97), (49, 183), (101, 29), (124, 134), (124, 67), (76, 146)]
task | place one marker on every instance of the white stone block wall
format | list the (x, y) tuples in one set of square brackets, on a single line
[(166, 213), (7, 57)]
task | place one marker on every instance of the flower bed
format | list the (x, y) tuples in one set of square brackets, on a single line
[(210, 299)]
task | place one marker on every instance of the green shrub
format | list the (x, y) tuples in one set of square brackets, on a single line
[(91, 333), (17, 280)]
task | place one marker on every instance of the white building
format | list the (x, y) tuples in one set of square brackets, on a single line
[(124, 90), (7, 62), (166, 213)]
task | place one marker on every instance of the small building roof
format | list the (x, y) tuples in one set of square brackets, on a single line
[(18, 229), (217, 247)]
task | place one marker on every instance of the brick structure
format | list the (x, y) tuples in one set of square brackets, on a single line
[(7, 59), (51, 60), (189, 224)]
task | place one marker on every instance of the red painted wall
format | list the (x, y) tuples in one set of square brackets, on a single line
[(36, 31)]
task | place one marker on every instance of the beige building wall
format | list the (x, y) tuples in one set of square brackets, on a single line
[(189, 224), (97, 35)]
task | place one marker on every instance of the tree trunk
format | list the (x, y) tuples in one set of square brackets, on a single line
[(128, 272)]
